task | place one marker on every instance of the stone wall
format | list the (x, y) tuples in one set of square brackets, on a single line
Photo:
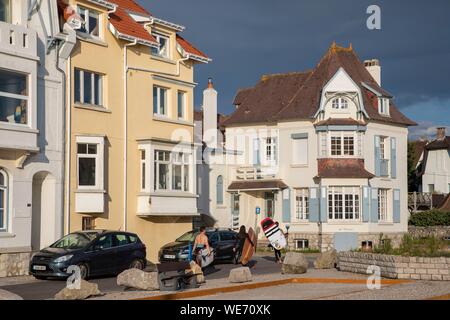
[(396, 267), (14, 264), (423, 232)]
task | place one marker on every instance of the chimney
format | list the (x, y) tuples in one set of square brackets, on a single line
[(374, 68), (440, 133), (210, 115)]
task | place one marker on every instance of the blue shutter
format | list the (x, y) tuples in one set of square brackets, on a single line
[(393, 158), (314, 204), (377, 156), (219, 190), (366, 203), (256, 152), (396, 208), (286, 205), (374, 205), (323, 204)]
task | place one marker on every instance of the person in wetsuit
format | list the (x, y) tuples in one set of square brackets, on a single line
[(239, 244)]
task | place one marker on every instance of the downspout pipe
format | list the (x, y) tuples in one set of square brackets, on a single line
[(125, 131)]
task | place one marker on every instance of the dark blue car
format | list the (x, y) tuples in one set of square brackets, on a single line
[(95, 252)]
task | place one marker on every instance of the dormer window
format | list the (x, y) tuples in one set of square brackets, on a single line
[(91, 21), (163, 50), (340, 104), (383, 106), (5, 10)]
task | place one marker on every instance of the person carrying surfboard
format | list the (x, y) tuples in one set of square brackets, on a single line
[(200, 243), (240, 241)]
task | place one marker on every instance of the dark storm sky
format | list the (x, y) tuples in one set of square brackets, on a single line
[(248, 38)]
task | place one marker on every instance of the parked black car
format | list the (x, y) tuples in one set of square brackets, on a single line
[(222, 240), (95, 252)]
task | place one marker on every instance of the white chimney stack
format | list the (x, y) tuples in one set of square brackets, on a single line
[(374, 68), (210, 115)]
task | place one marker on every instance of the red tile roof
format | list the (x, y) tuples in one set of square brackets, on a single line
[(342, 168), (131, 5), (189, 48), (298, 97)]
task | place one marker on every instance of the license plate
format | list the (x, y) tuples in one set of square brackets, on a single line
[(40, 268), (169, 256)]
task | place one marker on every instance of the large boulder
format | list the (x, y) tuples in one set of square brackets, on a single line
[(239, 275), (6, 295), (197, 270), (138, 279), (85, 291), (326, 260), (294, 263)]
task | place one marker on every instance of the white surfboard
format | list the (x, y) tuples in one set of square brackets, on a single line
[(276, 237), (206, 259)]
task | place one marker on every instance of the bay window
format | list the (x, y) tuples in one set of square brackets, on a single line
[(171, 171), (143, 171), (3, 200), (88, 87), (345, 144), (302, 204), (14, 97), (343, 203), (159, 101), (91, 21)]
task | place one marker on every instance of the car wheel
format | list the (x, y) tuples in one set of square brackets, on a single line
[(137, 264), (84, 271)]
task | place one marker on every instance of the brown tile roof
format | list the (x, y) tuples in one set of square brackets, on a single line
[(297, 95), (340, 122), (257, 185), (439, 144), (189, 48), (342, 168), (418, 148)]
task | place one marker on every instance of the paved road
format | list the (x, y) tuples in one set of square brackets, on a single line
[(46, 289)]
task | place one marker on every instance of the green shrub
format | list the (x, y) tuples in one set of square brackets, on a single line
[(430, 218)]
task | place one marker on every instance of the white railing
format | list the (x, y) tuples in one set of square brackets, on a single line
[(17, 40), (254, 173)]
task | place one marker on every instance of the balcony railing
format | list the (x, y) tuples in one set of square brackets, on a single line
[(255, 173), (17, 40)]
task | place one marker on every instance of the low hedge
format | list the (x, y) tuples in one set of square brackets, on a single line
[(430, 218)]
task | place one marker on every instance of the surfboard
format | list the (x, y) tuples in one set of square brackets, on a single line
[(206, 259), (249, 249), (274, 234)]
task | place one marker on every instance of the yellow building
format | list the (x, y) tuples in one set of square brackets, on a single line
[(130, 152)]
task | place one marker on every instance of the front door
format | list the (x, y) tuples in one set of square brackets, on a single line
[(235, 211), (270, 204)]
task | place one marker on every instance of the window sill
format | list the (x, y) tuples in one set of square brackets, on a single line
[(88, 38), (90, 191), (17, 127), (161, 118), (385, 223), (343, 222), (91, 107), (163, 59), (169, 193), (5, 234), (299, 165)]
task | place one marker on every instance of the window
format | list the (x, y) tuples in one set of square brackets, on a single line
[(342, 144), (163, 49), (219, 190), (383, 147), (171, 171), (87, 164), (3, 200), (87, 223), (382, 205), (88, 87), (160, 101), (336, 146), (181, 104), (143, 181), (302, 204), (339, 103), (91, 20), (383, 106), (300, 151), (13, 97), (5, 11), (323, 144), (431, 188), (121, 239), (105, 242), (227, 236), (301, 244), (343, 203), (271, 149)]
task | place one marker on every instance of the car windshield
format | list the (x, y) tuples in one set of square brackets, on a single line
[(188, 236), (74, 241)]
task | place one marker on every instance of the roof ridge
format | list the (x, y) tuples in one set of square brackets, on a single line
[(265, 77)]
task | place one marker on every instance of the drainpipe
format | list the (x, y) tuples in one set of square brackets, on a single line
[(125, 130), (69, 141)]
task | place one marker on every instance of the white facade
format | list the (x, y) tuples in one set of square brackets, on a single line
[(436, 177), (31, 126)]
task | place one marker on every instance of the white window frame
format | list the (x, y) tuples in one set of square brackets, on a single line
[(158, 101), (302, 204), (19, 97), (158, 36), (81, 86), (271, 150), (303, 241), (183, 106), (383, 206), (5, 189), (333, 193), (341, 135), (185, 163), (143, 168), (384, 106), (99, 161), (339, 103), (384, 148), (87, 14)]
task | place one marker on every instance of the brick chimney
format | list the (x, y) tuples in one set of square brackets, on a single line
[(374, 68), (440, 133)]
